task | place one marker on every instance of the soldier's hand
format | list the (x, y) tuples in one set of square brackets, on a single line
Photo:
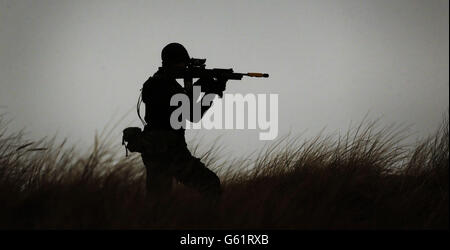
[(212, 85), (205, 82), (220, 86)]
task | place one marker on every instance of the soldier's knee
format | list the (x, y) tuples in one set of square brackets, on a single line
[(214, 179), (208, 181), (212, 187)]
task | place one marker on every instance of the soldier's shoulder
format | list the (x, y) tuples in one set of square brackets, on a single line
[(153, 80)]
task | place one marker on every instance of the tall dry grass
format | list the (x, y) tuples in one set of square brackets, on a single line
[(364, 179)]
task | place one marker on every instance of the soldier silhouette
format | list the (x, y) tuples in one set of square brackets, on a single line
[(165, 154)]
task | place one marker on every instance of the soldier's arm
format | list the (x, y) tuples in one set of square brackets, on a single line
[(208, 86), (154, 97), (211, 85)]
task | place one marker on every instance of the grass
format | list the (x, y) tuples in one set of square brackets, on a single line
[(364, 179)]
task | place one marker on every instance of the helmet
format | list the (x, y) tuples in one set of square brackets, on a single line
[(174, 53)]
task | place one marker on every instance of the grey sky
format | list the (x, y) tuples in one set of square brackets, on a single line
[(71, 66)]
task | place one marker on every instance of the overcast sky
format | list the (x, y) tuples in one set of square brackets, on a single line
[(72, 66)]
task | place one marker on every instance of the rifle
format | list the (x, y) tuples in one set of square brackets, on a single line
[(196, 69)]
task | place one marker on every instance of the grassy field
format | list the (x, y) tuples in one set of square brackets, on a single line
[(362, 180)]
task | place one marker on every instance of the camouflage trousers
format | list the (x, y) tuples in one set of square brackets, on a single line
[(166, 158)]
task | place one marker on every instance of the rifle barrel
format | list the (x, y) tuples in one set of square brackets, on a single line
[(224, 73), (257, 74)]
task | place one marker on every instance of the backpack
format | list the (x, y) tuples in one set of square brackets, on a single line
[(132, 140)]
